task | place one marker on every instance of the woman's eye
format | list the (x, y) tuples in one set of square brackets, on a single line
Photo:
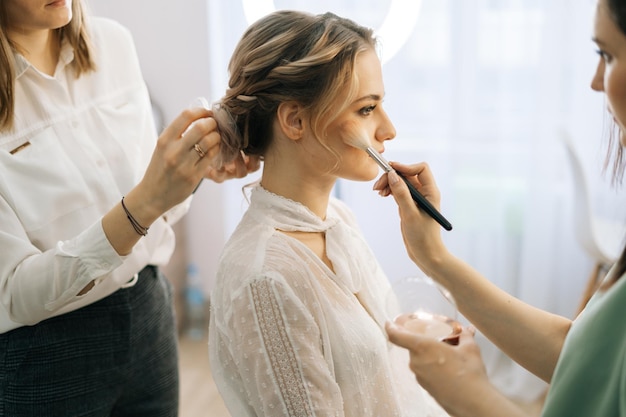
[(604, 56), (367, 110)]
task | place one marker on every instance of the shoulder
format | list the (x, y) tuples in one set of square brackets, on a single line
[(115, 53), (256, 252), (252, 251), (104, 28), (244, 252), (111, 39)]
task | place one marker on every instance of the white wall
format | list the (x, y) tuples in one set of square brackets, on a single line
[(172, 44)]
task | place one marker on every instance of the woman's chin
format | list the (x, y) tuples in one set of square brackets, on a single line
[(365, 176), (374, 173)]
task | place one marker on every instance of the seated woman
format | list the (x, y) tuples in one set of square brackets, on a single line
[(298, 312)]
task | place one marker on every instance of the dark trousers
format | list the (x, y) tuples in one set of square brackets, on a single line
[(117, 357)]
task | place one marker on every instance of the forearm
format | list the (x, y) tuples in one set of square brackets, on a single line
[(35, 285), (486, 401), (118, 227), (530, 336)]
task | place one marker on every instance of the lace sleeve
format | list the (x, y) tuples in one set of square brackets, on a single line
[(277, 350)]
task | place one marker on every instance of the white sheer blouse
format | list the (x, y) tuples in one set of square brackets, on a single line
[(290, 337)]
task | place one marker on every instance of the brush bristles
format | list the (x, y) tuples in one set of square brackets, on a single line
[(358, 141)]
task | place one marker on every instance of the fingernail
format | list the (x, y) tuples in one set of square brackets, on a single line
[(393, 177)]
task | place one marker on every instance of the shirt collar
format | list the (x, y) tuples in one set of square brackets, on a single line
[(288, 215), (66, 56), (21, 64)]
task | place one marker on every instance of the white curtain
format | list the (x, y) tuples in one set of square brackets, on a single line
[(480, 89)]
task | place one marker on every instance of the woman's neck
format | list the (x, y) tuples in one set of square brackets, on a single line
[(312, 193), (41, 48)]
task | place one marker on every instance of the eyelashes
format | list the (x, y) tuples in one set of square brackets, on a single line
[(367, 110), (603, 55)]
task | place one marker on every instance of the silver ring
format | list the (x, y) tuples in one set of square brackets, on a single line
[(199, 151)]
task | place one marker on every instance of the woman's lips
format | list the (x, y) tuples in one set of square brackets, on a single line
[(57, 3)]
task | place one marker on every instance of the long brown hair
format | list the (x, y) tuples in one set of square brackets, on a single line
[(75, 32)]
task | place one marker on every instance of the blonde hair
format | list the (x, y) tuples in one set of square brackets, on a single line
[(288, 56), (75, 32)]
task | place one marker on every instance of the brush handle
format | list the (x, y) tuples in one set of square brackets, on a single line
[(425, 205), (419, 199)]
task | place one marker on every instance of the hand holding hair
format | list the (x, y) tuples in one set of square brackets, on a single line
[(174, 171), (239, 167)]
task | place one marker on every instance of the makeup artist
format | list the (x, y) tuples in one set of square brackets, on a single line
[(87, 198), (585, 360)]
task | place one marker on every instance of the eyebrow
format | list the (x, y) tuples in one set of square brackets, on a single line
[(375, 97), (597, 41)]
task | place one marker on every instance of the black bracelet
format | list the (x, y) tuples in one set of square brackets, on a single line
[(138, 228)]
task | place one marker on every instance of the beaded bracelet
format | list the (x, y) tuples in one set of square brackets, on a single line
[(138, 228)]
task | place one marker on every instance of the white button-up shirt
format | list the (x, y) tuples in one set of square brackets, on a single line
[(79, 144)]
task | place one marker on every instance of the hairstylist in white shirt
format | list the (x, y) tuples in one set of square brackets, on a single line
[(87, 197)]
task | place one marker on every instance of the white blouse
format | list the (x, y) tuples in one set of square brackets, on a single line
[(290, 337), (79, 144)]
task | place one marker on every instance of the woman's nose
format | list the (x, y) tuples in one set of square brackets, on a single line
[(597, 82), (386, 130)]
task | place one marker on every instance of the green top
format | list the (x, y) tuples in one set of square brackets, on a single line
[(590, 376)]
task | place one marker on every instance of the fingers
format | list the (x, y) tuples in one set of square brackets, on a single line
[(203, 140), (238, 167), (467, 336), (400, 193), (419, 169), (194, 134), (424, 350), (382, 186), (210, 145), (419, 174), (241, 166), (471, 330), (253, 163), (182, 122), (398, 335), (201, 129)]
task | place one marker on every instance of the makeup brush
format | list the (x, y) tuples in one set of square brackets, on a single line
[(360, 141)]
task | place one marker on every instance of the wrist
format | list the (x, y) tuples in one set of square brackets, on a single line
[(433, 261), (140, 210), (139, 228)]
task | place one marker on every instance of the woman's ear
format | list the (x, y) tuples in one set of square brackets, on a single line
[(290, 117)]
